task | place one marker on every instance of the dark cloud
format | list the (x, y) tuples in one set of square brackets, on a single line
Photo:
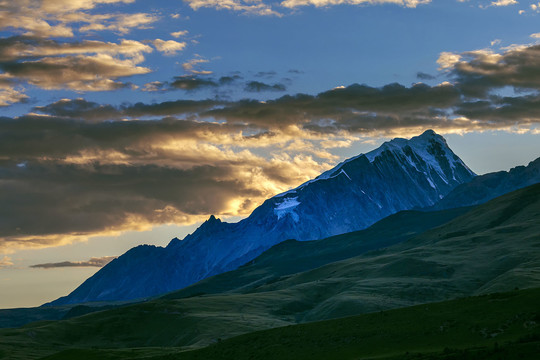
[(424, 76), (90, 111), (295, 71), (479, 72), (191, 83), (93, 262), (32, 137), (48, 198), (169, 108), (80, 109), (227, 80), (356, 109), (339, 106), (61, 177), (257, 86), (510, 110), (392, 97)]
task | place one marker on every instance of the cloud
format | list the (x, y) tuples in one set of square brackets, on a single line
[(92, 112), (59, 18), (9, 96), (423, 76), (261, 8), (249, 7), (336, 108), (325, 3), (167, 108), (189, 82), (8, 92), (180, 33), (481, 71), (506, 110), (503, 3), (5, 262), (30, 48), (257, 86), (93, 262), (169, 47), (79, 66), (120, 23), (447, 60), (80, 109), (79, 73), (192, 65), (82, 179), (228, 80), (266, 74), (80, 169), (154, 86)]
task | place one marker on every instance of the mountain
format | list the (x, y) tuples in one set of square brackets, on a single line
[(401, 174), (291, 256), (491, 248), (489, 186)]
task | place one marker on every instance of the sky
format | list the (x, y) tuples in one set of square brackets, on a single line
[(127, 122)]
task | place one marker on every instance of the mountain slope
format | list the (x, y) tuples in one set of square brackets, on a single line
[(291, 256), (493, 247), (489, 186), (401, 174)]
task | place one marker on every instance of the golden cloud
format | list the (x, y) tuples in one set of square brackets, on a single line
[(169, 47), (54, 18)]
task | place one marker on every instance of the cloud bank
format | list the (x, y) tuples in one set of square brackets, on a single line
[(93, 262), (74, 168), (42, 52)]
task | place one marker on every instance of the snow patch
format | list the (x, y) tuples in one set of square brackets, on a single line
[(344, 173), (287, 206)]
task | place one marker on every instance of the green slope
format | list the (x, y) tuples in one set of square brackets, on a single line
[(493, 247), (496, 326)]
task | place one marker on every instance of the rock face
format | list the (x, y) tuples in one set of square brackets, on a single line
[(401, 174)]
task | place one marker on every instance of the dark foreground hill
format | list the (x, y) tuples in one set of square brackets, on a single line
[(488, 327), (493, 247)]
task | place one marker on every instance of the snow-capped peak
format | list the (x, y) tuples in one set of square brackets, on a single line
[(420, 142), (430, 147)]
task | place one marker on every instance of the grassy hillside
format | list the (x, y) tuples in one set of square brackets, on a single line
[(496, 326), (493, 247), (21, 316)]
